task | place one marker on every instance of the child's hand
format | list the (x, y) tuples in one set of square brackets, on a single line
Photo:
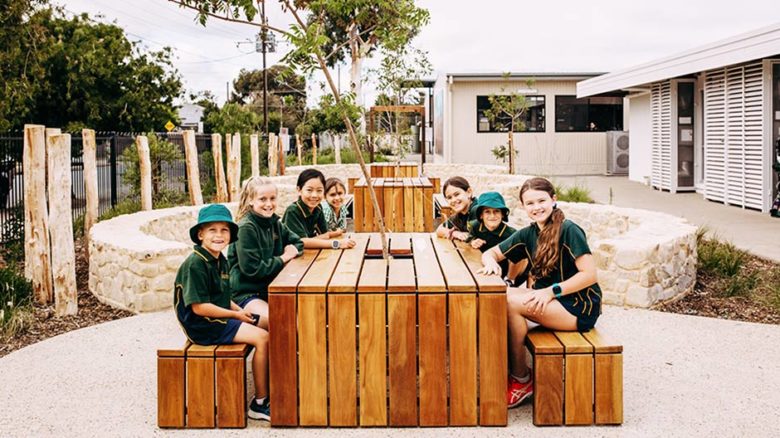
[(336, 233), (244, 316), (537, 300), (477, 243), (290, 252), (460, 235), (347, 243), (491, 267)]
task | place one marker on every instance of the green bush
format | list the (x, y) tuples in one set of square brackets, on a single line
[(160, 151), (741, 284), (576, 193), (720, 258), (15, 302)]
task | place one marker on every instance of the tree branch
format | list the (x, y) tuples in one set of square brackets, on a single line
[(344, 44), (232, 20)]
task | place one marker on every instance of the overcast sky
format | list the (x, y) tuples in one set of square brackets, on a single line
[(482, 36)]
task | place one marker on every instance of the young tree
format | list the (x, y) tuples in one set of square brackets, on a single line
[(308, 39), (507, 113), (286, 94)]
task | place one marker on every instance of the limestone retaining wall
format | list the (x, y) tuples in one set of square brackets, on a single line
[(643, 257)]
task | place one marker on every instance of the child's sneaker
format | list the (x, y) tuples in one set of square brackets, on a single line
[(259, 411), (517, 392)]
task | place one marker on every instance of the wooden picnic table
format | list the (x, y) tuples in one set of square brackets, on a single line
[(406, 204), (417, 340)]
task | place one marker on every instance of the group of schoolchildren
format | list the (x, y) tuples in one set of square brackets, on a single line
[(547, 265)]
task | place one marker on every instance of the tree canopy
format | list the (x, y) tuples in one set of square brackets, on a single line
[(286, 95), (74, 72)]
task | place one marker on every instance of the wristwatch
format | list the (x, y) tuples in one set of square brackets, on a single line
[(335, 244), (557, 290)]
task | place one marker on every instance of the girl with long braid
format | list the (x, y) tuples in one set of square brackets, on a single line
[(562, 291)]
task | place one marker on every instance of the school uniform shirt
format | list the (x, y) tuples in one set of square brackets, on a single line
[(478, 230), (202, 278), (334, 221), (584, 304), (460, 221), (255, 259), (304, 223)]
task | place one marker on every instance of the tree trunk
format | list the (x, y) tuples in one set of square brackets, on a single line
[(337, 148), (314, 149), (63, 256), (299, 147), (219, 170), (193, 172), (234, 168), (356, 82), (37, 256), (282, 156), (90, 182), (511, 152), (254, 151), (272, 151), (145, 166)]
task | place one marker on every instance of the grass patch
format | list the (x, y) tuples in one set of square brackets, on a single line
[(576, 193), (15, 302)]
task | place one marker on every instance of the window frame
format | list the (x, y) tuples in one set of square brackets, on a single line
[(587, 105), (543, 105)]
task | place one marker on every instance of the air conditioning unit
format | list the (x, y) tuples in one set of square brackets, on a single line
[(617, 153)]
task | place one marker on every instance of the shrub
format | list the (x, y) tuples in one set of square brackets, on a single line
[(576, 193), (160, 151), (720, 258), (741, 284), (15, 302)]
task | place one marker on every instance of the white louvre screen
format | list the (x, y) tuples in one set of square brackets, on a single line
[(661, 109), (734, 135)]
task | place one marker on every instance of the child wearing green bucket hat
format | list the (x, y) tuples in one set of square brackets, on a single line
[(490, 227), (202, 301)]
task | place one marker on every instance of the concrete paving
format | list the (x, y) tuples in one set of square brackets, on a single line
[(753, 231), (683, 376)]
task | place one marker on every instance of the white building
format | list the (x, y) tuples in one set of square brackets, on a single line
[(563, 136), (706, 119), (191, 116)]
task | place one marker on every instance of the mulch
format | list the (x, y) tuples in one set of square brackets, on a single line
[(705, 300)]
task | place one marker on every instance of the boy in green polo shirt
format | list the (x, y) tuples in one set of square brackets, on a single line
[(490, 227), (202, 300)]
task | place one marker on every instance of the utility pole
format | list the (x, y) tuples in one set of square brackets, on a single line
[(264, 38)]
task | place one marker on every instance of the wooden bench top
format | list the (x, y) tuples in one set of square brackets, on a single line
[(423, 263), (543, 341)]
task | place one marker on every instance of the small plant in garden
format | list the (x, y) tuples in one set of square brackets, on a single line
[(575, 193), (15, 302), (160, 152)]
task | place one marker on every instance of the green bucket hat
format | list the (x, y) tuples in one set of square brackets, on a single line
[(214, 213), (491, 200)]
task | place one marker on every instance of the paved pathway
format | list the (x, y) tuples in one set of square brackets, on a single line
[(750, 230), (684, 376)]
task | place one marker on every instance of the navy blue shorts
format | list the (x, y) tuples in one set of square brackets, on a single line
[(228, 333), (247, 300)]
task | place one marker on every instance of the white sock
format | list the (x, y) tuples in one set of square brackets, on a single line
[(260, 400), (524, 379)]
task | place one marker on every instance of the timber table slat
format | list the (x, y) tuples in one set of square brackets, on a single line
[(368, 342), (473, 259)]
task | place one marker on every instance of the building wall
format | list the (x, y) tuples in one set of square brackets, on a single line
[(547, 153), (639, 135)]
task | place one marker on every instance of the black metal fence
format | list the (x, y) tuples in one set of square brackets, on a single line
[(111, 166)]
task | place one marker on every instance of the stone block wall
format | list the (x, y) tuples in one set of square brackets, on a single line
[(643, 257)]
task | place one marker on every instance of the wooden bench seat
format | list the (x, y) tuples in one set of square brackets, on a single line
[(442, 206), (202, 386), (578, 378)]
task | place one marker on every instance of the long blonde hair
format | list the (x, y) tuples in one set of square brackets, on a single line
[(548, 248), (249, 190)]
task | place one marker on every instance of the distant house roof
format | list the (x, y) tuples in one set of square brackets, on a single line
[(746, 47), (561, 76), (190, 114)]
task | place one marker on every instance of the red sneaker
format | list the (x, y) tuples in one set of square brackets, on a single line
[(517, 392)]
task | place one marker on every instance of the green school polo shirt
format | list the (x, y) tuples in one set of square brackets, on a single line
[(202, 278), (478, 230), (573, 243), (255, 259), (460, 221), (303, 222)]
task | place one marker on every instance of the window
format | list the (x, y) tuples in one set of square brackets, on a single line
[(532, 120), (596, 114)]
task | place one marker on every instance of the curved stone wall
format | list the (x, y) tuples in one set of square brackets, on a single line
[(643, 257)]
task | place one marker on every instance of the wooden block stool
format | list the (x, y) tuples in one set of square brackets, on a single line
[(201, 386), (578, 378)]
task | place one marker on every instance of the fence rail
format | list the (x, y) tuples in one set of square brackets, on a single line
[(111, 166)]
